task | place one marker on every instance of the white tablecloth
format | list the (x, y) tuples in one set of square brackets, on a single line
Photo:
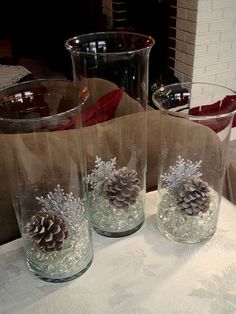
[(11, 74), (144, 273)]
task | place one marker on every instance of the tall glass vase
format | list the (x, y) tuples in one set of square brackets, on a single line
[(195, 124), (114, 67), (42, 148)]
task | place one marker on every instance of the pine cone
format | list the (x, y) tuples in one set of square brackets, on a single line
[(122, 188), (48, 231), (194, 197)]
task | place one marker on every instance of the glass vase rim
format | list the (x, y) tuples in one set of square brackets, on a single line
[(73, 49), (45, 118), (189, 116)]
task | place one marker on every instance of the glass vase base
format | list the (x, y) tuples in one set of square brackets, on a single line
[(117, 234), (35, 271), (189, 240)]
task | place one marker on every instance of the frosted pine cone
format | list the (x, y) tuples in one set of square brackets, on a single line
[(48, 231), (122, 188), (194, 197)]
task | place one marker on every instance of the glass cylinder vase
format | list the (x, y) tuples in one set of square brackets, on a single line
[(195, 124), (42, 148), (114, 67)]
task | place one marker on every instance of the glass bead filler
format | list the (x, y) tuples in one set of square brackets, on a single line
[(187, 205), (115, 197), (57, 237)]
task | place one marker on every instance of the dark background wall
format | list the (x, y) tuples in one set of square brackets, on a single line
[(152, 18), (38, 29)]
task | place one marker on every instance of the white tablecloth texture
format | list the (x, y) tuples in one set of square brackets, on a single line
[(144, 273)]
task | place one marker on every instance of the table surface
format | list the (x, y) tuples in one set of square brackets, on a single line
[(144, 273)]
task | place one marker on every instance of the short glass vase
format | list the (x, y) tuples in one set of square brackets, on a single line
[(195, 125)]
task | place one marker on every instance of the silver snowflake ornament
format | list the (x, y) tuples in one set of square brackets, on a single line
[(101, 172), (183, 171), (62, 203)]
